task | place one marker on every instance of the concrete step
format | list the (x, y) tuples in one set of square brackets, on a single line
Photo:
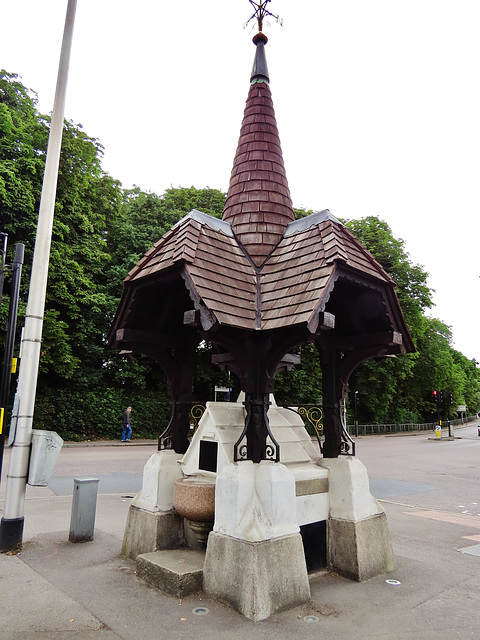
[(178, 572)]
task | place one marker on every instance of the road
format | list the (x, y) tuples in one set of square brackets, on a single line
[(412, 469), (420, 471)]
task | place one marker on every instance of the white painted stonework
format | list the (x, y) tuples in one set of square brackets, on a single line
[(223, 423), (159, 475), (312, 508), (255, 502), (349, 489)]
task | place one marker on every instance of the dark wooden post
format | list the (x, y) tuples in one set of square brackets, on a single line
[(331, 390)]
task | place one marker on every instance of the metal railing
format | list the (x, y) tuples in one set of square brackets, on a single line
[(312, 416), (379, 429)]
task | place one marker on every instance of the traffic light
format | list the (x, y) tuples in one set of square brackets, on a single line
[(435, 395), (450, 399), (440, 397)]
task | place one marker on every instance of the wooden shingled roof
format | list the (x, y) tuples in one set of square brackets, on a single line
[(258, 205), (258, 268), (292, 284)]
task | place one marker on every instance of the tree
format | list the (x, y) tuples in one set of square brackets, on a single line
[(100, 231), (400, 389)]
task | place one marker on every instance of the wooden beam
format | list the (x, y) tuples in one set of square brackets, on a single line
[(387, 338), (147, 337), (191, 318), (321, 321)]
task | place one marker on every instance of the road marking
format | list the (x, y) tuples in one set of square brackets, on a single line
[(452, 518), (474, 550)]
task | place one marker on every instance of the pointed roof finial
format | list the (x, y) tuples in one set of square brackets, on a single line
[(260, 13), (258, 204)]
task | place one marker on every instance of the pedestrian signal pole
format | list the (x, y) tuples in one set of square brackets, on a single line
[(10, 343)]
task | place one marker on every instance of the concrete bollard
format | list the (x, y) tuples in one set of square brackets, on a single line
[(84, 504)]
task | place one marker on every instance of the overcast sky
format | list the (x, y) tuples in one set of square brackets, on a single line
[(377, 105)]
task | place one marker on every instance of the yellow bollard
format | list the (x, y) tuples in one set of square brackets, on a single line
[(438, 431)]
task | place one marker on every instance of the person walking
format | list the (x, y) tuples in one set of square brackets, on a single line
[(127, 428)]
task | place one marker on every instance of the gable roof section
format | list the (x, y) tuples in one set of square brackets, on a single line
[(296, 278), (340, 245), (178, 244), (216, 267), (224, 278)]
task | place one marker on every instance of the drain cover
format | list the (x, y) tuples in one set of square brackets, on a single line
[(200, 611), (394, 582), (310, 619)]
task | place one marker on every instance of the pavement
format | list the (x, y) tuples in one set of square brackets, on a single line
[(57, 590)]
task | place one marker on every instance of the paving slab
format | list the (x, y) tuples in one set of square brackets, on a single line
[(175, 571)]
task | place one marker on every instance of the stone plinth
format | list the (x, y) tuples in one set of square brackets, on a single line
[(255, 559), (148, 531), (256, 578), (152, 522), (359, 544), (255, 502), (360, 550)]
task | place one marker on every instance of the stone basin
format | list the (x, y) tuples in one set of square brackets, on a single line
[(194, 498)]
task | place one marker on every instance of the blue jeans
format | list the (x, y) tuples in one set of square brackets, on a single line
[(126, 431)]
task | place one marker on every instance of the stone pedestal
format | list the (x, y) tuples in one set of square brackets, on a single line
[(359, 544), (255, 560), (152, 523)]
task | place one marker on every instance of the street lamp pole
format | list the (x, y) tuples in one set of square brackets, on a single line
[(11, 526)]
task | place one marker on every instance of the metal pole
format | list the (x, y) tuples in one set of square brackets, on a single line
[(3, 252), (11, 527), (10, 342), (355, 406)]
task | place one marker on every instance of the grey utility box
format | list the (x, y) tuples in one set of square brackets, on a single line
[(84, 505), (46, 446)]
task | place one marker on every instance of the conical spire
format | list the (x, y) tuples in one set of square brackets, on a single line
[(258, 204)]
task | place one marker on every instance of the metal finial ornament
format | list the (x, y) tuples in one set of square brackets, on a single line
[(260, 13)]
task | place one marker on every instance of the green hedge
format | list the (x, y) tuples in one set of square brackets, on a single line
[(97, 414)]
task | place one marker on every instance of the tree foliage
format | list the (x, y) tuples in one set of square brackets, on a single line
[(101, 230), (400, 389)]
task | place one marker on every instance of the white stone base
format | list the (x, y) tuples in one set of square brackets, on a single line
[(255, 560), (148, 531), (359, 544), (152, 523), (159, 475), (255, 501), (256, 578)]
